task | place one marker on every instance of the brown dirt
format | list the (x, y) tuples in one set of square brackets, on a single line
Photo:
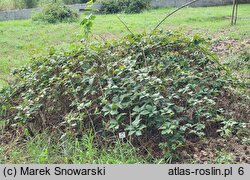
[(205, 152)]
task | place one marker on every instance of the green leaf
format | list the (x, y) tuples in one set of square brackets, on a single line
[(145, 112), (130, 133), (138, 133)]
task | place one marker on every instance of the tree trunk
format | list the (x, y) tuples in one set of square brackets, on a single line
[(234, 12)]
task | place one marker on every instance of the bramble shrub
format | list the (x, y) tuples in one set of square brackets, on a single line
[(127, 6), (165, 87), (56, 12)]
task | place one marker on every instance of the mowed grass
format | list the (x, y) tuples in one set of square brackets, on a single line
[(20, 40)]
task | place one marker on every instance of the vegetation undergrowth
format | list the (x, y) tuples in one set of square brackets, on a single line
[(126, 6), (53, 149), (21, 4)]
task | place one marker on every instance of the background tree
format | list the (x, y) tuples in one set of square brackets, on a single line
[(235, 12)]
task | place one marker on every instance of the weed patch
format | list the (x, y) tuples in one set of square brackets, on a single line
[(45, 149)]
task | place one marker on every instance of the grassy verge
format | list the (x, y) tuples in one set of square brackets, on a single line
[(67, 149), (19, 40), (45, 149)]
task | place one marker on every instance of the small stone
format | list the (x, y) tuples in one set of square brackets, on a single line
[(204, 159), (184, 154), (204, 153), (244, 158), (237, 159), (195, 156), (211, 155), (206, 143), (248, 160), (196, 149)]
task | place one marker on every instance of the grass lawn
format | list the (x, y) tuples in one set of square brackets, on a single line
[(19, 40)]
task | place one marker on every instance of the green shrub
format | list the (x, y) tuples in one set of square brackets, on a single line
[(56, 12), (127, 6), (30, 3), (74, 1), (63, 1), (164, 86)]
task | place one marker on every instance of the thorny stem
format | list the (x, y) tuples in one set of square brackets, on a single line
[(78, 101), (125, 25), (170, 14)]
